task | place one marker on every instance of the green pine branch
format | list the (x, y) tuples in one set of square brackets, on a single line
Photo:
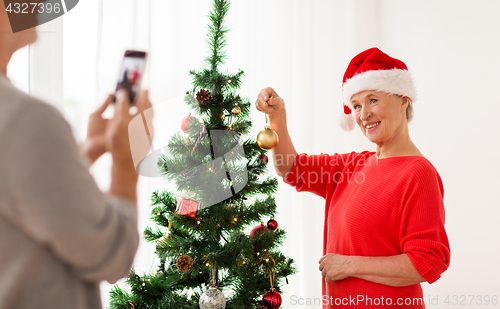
[(217, 33)]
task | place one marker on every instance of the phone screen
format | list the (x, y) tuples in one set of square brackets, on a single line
[(132, 69)]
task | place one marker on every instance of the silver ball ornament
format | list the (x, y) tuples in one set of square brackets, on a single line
[(212, 298)]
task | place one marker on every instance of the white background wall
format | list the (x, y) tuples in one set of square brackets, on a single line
[(301, 48)]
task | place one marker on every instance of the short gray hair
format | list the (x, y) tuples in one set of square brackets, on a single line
[(409, 111)]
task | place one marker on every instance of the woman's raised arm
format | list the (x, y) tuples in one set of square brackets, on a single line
[(284, 153)]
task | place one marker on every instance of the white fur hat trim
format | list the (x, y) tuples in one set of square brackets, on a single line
[(395, 81)]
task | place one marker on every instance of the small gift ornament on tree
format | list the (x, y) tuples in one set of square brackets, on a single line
[(187, 207)]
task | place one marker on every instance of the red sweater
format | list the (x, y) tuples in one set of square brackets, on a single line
[(377, 207)]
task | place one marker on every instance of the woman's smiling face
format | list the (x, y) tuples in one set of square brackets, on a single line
[(379, 115)]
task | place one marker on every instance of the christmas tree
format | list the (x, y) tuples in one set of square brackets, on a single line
[(222, 190)]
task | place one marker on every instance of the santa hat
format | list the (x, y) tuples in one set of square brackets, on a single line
[(374, 70)]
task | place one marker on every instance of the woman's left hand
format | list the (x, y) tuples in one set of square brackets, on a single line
[(335, 267), (95, 144)]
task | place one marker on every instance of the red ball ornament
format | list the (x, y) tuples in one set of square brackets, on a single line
[(258, 230), (185, 122), (272, 224), (272, 299), (263, 159)]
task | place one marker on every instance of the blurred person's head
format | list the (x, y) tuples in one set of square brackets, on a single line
[(10, 42)]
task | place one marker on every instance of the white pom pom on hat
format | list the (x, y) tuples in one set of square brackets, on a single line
[(374, 70), (346, 120)]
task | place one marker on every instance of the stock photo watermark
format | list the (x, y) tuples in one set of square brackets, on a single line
[(356, 300), (319, 171), (28, 14), (213, 162), (365, 300)]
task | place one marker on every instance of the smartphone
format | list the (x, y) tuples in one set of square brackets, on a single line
[(132, 69)]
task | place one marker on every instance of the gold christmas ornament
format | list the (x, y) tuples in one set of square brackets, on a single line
[(162, 240), (169, 227), (236, 110), (267, 138), (184, 263)]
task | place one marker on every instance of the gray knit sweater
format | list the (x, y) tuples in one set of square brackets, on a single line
[(59, 234)]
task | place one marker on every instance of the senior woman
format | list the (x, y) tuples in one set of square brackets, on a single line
[(384, 215)]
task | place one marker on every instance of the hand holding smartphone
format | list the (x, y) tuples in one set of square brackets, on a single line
[(131, 72)]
